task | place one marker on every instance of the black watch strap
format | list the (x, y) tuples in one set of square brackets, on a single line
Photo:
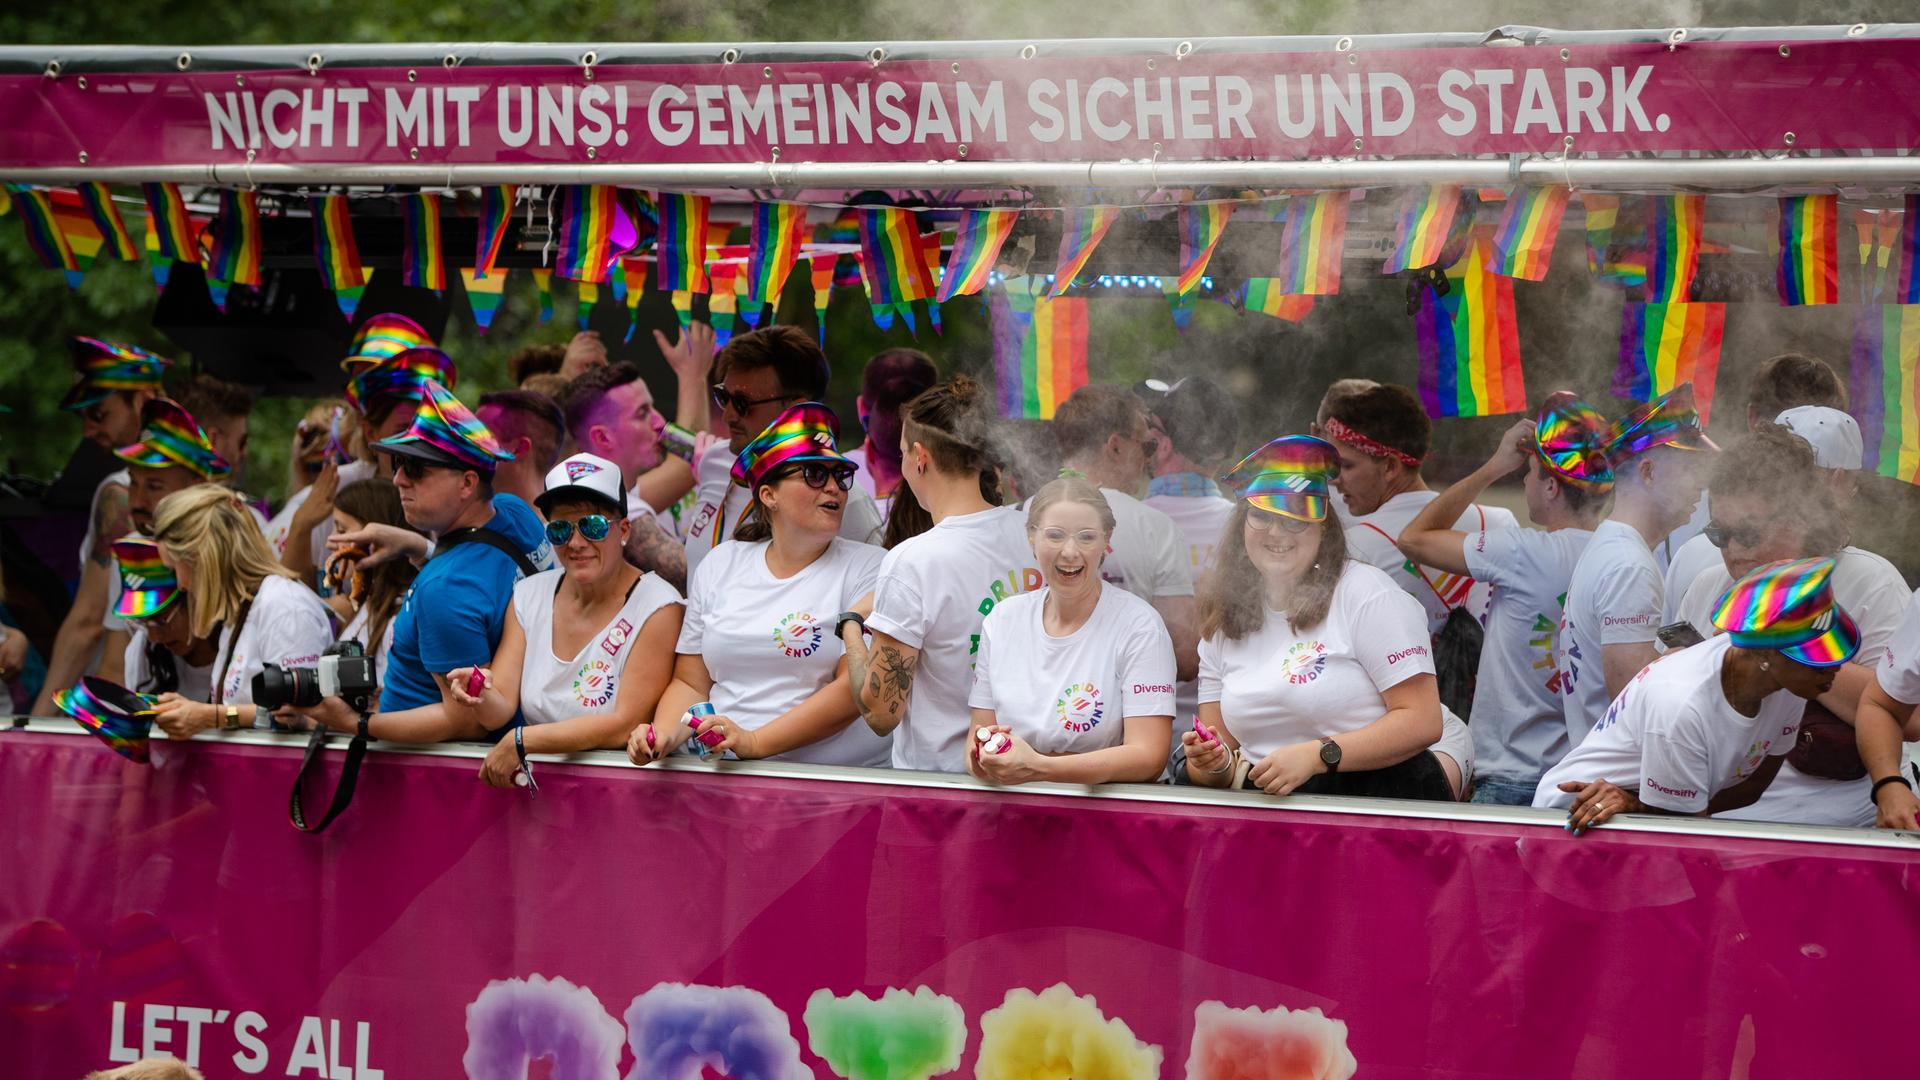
[(841, 620), (1896, 778), (1330, 753)]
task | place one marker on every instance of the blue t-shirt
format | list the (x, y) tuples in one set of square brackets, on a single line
[(452, 616)]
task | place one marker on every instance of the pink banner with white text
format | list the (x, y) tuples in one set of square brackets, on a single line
[(1619, 98), (681, 924)]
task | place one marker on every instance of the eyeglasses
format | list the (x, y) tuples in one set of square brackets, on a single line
[(1264, 520), (593, 529), (1085, 538), (162, 617), (1721, 535), (816, 475), (741, 403)]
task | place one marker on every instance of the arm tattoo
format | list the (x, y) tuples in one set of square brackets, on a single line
[(890, 680), (650, 548), (111, 521)]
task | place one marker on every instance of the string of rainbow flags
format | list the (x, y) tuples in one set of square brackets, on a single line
[(1466, 331)]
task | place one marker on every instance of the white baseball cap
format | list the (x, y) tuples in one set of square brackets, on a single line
[(584, 476), (1834, 435)]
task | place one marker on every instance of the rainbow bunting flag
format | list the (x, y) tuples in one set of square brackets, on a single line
[(634, 272), (422, 264), (1673, 247), (496, 212), (585, 216), (683, 305), (1181, 304), (723, 303), (1908, 290), (1469, 341), (681, 246), (1615, 255), (333, 244), (106, 218), (349, 300), (6, 202), (83, 237), (1878, 231), (1039, 348), (1201, 227), (233, 257), (976, 248), (1664, 345), (1420, 233), (586, 295), (484, 295), (820, 268), (891, 260), (1809, 268), (179, 237), (1886, 354), (1311, 244), (44, 235), (1264, 296), (779, 229), (543, 285), (160, 266), (1523, 241), (1081, 230)]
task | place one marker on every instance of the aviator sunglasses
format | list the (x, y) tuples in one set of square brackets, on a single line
[(593, 528)]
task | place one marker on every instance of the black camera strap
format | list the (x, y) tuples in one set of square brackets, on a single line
[(342, 790), (493, 538)]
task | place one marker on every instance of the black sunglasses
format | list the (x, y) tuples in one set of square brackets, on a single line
[(815, 475), (593, 528), (1721, 535), (741, 403)]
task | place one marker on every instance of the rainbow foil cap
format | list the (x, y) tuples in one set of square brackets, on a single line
[(147, 586), (1289, 476), (116, 715), (1571, 438), (1789, 606)]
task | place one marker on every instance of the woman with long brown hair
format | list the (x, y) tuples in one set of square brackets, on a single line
[(366, 601)]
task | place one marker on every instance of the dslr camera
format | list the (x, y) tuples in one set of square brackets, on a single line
[(345, 671)]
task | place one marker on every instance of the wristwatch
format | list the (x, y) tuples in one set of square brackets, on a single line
[(841, 620), (1330, 754), (230, 718)]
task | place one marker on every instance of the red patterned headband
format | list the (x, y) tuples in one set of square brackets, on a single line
[(1340, 432)]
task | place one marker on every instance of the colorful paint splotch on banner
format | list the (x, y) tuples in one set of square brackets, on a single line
[(1081, 230), (1201, 226), (1470, 342), (675, 1030), (496, 211), (1674, 225), (422, 264), (1058, 1034), (1265, 296), (1809, 267), (976, 248), (680, 249), (1039, 348), (1523, 241), (1884, 388), (116, 242), (516, 1023), (1311, 244), (1664, 345), (1267, 1044), (484, 294), (1421, 230), (901, 1036)]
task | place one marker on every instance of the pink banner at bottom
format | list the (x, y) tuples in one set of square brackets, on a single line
[(677, 924)]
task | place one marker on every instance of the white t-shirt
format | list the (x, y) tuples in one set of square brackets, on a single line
[(1437, 591), (1614, 599), (1899, 673), (555, 688), (1519, 730), (719, 504), (1277, 688), (1147, 555), (1069, 695), (196, 683), (1201, 520), (1672, 736), (1688, 562), (288, 626), (1872, 592), (769, 644), (932, 594), (1668, 549), (115, 622)]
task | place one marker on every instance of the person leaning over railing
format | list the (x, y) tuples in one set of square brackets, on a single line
[(587, 647), (759, 643), (163, 655), (1316, 672), (211, 541), (1074, 682)]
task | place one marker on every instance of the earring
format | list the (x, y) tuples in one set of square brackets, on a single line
[(1766, 665), (1316, 566)]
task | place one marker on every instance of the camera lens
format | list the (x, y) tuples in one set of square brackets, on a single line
[(276, 686)]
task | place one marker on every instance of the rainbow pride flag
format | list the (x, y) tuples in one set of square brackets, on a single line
[(1311, 244), (1809, 267), (585, 215), (1878, 231), (496, 212), (820, 269), (1081, 230), (1264, 296), (44, 235), (1664, 345), (484, 295), (1469, 341), (179, 237), (234, 256), (773, 244), (680, 249), (158, 265), (1181, 304), (1908, 291), (1674, 223), (1885, 391), (106, 218), (422, 264), (1421, 230), (1039, 348), (1523, 241), (634, 271), (543, 285), (333, 244), (1616, 255), (891, 260), (682, 300), (976, 248), (723, 303), (1201, 227), (586, 294)]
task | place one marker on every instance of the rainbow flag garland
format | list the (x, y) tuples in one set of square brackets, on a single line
[(723, 303), (543, 284), (1878, 231), (1182, 304), (1523, 241), (234, 255), (496, 212), (44, 235), (1081, 231), (820, 268), (1673, 246), (683, 306), (484, 295), (634, 271), (1425, 222), (334, 246), (585, 216), (892, 263), (178, 237), (1809, 268), (681, 246), (1664, 345), (1469, 341), (422, 264), (1201, 227), (779, 229), (1311, 243), (1615, 260), (106, 217), (586, 295), (1908, 291), (1039, 348), (976, 248), (83, 237), (162, 268), (1264, 296), (1886, 354)]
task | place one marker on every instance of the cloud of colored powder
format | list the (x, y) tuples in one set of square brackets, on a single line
[(1274, 1044), (516, 1022), (676, 1028), (902, 1036), (1056, 1035)]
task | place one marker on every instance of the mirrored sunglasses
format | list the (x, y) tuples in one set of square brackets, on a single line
[(593, 528)]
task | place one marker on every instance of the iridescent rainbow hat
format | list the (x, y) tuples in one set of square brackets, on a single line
[(170, 436), (1571, 438), (802, 433), (106, 366), (445, 432), (146, 585), (116, 715), (385, 336), (1289, 476), (404, 375), (1789, 606), (1668, 420)]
